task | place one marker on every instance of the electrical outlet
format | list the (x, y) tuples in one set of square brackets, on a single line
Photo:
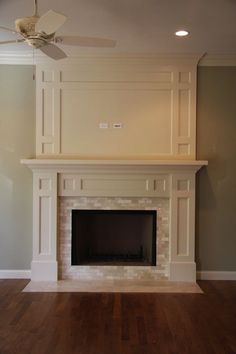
[(117, 125)]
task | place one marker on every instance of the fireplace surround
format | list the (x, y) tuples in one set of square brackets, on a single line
[(77, 182), (119, 272), (149, 161)]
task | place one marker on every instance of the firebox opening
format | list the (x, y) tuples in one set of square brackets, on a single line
[(113, 237)]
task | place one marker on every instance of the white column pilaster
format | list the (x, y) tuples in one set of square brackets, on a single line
[(182, 266), (44, 263)]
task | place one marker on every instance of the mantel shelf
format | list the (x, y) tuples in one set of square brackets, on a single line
[(65, 164)]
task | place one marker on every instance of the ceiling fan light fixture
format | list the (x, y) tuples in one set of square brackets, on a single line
[(39, 32), (182, 33)]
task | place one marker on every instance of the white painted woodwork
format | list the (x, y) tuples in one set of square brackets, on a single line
[(182, 245), (15, 58), (113, 185), (151, 155), (44, 263), (117, 165), (174, 180), (155, 102), (182, 271)]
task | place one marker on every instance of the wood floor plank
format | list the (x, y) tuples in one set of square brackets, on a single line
[(118, 323)]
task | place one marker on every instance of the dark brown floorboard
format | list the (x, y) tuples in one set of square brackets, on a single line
[(80, 323)]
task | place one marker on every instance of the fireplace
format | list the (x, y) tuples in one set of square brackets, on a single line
[(167, 187), (113, 237), (148, 164)]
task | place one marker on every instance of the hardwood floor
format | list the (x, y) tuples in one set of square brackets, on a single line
[(113, 323)]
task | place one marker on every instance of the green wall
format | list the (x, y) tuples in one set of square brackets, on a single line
[(216, 184), (17, 141)]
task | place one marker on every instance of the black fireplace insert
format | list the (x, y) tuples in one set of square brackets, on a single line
[(113, 237)]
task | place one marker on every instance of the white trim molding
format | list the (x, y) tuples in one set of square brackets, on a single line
[(174, 180), (27, 58), (90, 164), (164, 86), (15, 274), (216, 275)]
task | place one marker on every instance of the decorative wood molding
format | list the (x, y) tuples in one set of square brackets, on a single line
[(169, 179), (73, 96), (44, 264), (26, 58), (114, 185), (86, 165)]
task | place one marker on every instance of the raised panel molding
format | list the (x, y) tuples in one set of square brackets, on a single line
[(47, 112), (44, 226), (182, 266), (183, 218), (155, 102), (113, 185)]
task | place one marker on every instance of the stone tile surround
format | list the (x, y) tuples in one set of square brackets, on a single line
[(66, 271)]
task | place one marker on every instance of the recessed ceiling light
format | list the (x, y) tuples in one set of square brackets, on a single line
[(182, 33)]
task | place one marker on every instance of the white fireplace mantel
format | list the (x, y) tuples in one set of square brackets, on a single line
[(152, 156), (116, 165), (172, 179)]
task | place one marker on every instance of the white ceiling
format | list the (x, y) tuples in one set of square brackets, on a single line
[(139, 26)]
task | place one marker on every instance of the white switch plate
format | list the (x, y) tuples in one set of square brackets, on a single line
[(103, 125)]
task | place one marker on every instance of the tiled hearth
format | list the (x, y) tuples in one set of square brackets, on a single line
[(66, 271)]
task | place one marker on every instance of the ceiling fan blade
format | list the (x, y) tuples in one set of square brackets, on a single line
[(12, 41), (52, 51), (50, 22), (8, 29), (85, 41)]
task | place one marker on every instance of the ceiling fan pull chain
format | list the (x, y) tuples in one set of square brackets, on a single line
[(36, 8), (34, 64)]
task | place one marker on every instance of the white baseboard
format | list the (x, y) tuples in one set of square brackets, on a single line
[(15, 274), (216, 275)]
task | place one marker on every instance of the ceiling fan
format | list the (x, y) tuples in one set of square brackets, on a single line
[(40, 33)]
